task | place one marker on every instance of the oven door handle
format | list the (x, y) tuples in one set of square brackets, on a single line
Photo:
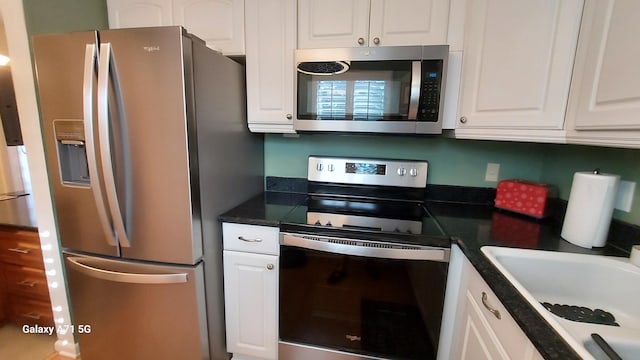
[(334, 245)]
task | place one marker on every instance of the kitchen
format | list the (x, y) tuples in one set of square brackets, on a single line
[(453, 162)]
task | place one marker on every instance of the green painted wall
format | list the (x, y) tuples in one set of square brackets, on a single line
[(462, 162), (47, 16), (562, 161), (454, 162)]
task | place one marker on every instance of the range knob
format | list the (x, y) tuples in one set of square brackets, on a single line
[(331, 167), (413, 172), (402, 171), (319, 166)]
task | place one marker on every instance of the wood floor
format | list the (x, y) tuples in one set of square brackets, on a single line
[(16, 345), (59, 357)]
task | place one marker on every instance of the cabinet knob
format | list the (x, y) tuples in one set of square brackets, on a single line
[(376, 40), (361, 41), (269, 266), (463, 119), (289, 116)]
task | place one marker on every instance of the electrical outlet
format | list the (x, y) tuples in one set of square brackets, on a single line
[(493, 170), (624, 197)]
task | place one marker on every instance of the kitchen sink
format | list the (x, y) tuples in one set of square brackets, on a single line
[(578, 294)]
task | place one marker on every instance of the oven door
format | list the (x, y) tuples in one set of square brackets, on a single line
[(359, 299)]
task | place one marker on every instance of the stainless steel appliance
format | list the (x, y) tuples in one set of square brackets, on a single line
[(374, 90), (362, 264), (146, 144)]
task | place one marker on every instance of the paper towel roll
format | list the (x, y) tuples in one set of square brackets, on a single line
[(586, 222)]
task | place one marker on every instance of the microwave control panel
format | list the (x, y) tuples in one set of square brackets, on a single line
[(429, 105)]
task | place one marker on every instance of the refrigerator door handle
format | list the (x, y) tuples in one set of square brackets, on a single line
[(124, 277), (87, 102), (105, 144)]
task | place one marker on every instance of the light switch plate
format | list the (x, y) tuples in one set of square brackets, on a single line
[(493, 170), (624, 197)]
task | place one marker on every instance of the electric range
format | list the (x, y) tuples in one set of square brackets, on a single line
[(362, 264)]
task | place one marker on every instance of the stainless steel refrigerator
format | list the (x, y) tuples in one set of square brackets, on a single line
[(146, 144)]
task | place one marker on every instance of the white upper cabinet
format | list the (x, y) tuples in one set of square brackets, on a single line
[(218, 22), (352, 23), (129, 13), (517, 64), (605, 94), (270, 45)]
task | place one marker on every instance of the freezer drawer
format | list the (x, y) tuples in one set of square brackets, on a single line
[(137, 310)]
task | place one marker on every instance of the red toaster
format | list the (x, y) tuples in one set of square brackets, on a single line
[(524, 197)]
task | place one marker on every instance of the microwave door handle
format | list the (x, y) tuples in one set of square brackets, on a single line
[(92, 164), (105, 144), (414, 94)]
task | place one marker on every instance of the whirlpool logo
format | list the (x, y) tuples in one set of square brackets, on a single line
[(353, 337), (151, 49)]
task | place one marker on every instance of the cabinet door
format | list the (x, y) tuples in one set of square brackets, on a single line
[(478, 326), (518, 57), (250, 295), (139, 13), (408, 22), (606, 88), (478, 340), (270, 45), (218, 22), (333, 23)]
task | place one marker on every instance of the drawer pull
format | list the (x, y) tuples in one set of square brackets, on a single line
[(31, 315), (495, 312), (26, 283), (256, 240), (19, 250)]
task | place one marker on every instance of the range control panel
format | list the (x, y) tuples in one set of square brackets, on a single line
[(359, 171)]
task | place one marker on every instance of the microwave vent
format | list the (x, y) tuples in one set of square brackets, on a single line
[(323, 67)]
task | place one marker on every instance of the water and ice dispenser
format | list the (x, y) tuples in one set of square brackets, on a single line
[(72, 154)]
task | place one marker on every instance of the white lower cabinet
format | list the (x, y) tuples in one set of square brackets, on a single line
[(476, 324), (251, 290)]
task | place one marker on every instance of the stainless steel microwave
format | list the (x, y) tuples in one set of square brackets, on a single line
[(394, 89)]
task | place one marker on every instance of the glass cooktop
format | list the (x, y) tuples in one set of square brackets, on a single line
[(343, 216)]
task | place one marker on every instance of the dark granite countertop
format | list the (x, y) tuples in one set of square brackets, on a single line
[(18, 211), (475, 226), (266, 209), (471, 226)]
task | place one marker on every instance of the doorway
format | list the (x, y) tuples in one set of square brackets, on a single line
[(15, 181)]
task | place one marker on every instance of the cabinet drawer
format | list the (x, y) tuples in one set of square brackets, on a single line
[(26, 281), (512, 338), (21, 248), (23, 310), (251, 238)]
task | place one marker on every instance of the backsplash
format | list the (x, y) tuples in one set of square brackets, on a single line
[(461, 162), (451, 162)]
